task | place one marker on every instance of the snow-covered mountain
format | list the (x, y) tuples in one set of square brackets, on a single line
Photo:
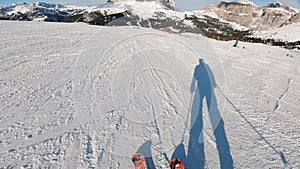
[(227, 21), (244, 13), (36, 11), (169, 3), (288, 33)]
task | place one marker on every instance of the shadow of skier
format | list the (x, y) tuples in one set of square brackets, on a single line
[(205, 81)]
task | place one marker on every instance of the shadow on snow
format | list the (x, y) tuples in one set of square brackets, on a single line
[(145, 149), (202, 87)]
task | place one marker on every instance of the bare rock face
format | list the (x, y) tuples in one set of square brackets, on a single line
[(243, 14), (295, 18), (172, 3), (273, 18), (237, 7), (256, 18)]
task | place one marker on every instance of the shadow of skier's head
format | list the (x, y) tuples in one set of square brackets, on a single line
[(204, 77)]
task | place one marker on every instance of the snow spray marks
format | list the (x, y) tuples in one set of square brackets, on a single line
[(150, 80), (282, 156), (135, 77), (148, 84)]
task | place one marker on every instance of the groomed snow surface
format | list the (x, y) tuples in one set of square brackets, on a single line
[(80, 96), (289, 33)]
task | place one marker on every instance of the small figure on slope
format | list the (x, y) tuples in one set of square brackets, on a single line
[(236, 43)]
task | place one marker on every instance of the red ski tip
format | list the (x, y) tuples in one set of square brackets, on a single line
[(139, 161), (176, 163)]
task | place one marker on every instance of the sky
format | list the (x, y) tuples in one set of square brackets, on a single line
[(180, 4)]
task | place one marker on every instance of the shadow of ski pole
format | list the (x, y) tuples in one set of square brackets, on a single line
[(281, 154)]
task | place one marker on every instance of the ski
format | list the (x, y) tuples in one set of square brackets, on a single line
[(176, 163), (139, 161)]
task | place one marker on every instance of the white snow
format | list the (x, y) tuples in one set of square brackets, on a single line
[(246, 2), (149, 9), (19, 8), (108, 11), (280, 10), (80, 96), (295, 9), (145, 10), (288, 33), (46, 7)]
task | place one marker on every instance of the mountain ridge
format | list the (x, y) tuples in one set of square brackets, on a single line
[(227, 21), (272, 15), (247, 14)]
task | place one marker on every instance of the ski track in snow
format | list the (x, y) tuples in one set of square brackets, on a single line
[(80, 96)]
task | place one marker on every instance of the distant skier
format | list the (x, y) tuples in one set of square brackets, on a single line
[(236, 43)]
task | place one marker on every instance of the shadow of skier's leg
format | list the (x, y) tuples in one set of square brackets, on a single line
[(217, 123), (180, 153), (145, 149), (196, 156)]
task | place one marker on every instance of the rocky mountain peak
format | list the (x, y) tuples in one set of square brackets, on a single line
[(253, 17), (274, 5), (237, 7)]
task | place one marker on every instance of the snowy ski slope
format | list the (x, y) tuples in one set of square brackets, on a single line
[(80, 96), (288, 33)]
